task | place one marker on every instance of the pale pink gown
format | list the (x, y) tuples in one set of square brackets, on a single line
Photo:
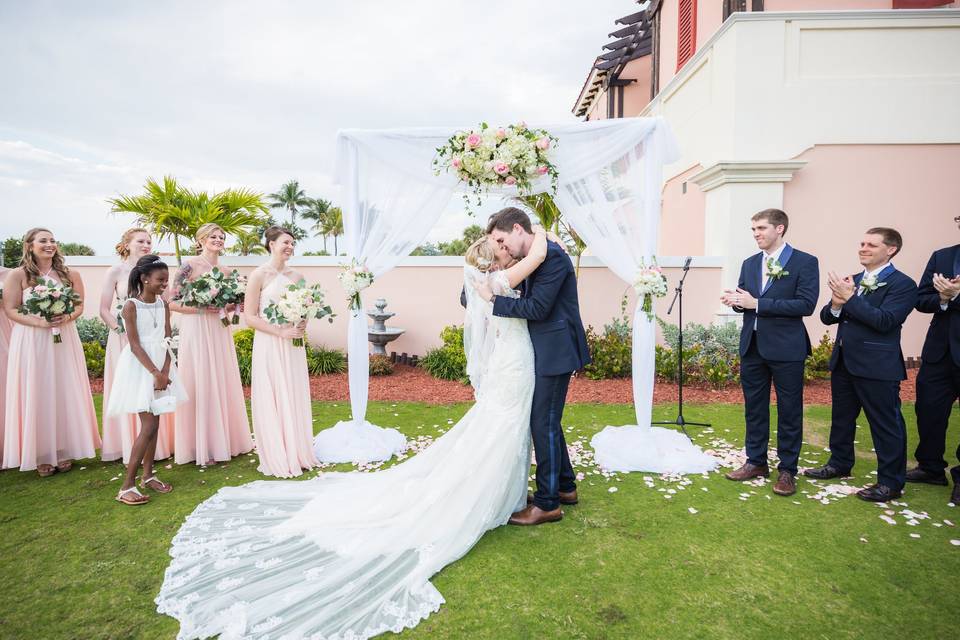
[(280, 398), (212, 424), (119, 432), (6, 326), (49, 414)]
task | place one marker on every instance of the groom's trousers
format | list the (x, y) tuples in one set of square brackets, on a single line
[(554, 471)]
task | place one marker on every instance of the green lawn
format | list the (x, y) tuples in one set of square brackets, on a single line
[(624, 564)]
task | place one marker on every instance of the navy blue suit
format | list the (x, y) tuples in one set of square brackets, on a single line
[(550, 305), (867, 367), (938, 383), (775, 351)]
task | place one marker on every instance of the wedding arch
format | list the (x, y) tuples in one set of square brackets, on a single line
[(609, 177)]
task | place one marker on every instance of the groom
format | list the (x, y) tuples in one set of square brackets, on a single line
[(550, 305)]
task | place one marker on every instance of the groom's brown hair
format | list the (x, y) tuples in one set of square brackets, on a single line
[(504, 220)]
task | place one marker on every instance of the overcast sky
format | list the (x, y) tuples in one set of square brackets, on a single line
[(98, 95)]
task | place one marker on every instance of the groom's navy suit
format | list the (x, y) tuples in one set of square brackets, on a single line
[(550, 305), (773, 346), (866, 369), (938, 383)]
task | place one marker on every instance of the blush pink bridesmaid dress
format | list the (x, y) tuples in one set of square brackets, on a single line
[(280, 398), (6, 326), (49, 414), (212, 425)]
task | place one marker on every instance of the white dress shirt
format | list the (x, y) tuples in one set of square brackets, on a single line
[(763, 275)]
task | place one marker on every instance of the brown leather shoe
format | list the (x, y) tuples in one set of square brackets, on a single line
[(566, 497), (533, 515), (748, 471), (786, 484)]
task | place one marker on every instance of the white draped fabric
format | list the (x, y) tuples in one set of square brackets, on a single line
[(609, 189)]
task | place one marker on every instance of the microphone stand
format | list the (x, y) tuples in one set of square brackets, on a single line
[(678, 297)]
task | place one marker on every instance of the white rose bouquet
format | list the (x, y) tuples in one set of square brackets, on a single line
[(296, 304), (354, 278), (650, 283), (498, 156), (48, 299), (214, 289)]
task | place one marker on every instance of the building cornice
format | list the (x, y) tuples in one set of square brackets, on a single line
[(723, 173)]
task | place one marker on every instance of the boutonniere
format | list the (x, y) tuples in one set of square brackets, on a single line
[(869, 284), (775, 270)]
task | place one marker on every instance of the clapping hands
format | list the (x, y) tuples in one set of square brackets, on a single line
[(948, 288), (841, 289)]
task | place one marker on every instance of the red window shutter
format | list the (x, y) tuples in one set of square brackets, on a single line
[(686, 31), (919, 4)]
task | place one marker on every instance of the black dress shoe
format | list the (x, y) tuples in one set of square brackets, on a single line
[(826, 472), (922, 475), (955, 496), (878, 493)]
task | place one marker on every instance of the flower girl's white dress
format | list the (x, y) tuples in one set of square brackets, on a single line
[(132, 390)]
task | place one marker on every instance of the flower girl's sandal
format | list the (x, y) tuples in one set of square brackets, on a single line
[(46, 470), (125, 497), (158, 485)]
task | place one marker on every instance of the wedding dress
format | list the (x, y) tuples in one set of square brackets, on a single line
[(350, 555)]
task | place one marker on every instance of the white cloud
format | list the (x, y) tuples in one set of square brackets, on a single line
[(102, 94)]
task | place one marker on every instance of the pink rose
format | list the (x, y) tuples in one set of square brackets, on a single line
[(55, 294), (501, 134), (543, 170), (214, 292), (501, 168), (474, 140), (39, 289), (522, 125), (543, 144), (456, 163), (510, 181)]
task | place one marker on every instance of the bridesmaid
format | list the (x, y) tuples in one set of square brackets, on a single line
[(120, 431), (49, 414), (5, 328), (212, 426), (280, 386)]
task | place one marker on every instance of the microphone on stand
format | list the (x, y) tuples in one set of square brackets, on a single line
[(686, 263)]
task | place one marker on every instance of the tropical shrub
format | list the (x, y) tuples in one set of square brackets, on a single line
[(448, 362), (817, 365), (711, 354), (323, 361), (380, 365), (243, 341), (610, 353), (94, 354), (93, 330)]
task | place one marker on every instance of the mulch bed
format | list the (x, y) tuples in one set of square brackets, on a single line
[(411, 384)]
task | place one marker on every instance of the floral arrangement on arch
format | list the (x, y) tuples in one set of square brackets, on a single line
[(487, 157), (650, 283), (354, 278)]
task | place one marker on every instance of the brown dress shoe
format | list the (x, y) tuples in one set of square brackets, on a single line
[(566, 497), (786, 484), (535, 515), (748, 471)]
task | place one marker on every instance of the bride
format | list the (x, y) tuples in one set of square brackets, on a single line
[(350, 555)]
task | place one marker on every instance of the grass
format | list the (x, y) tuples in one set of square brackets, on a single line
[(628, 564)]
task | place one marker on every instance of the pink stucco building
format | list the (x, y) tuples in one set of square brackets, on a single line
[(844, 113)]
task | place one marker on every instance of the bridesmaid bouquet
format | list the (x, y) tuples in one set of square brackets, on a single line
[(650, 283), (214, 289), (296, 304), (118, 314), (354, 279), (48, 299)]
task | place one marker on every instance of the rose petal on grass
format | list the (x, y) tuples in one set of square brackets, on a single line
[(692, 510)]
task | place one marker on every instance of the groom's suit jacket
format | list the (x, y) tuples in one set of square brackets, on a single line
[(943, 336), (550, 305), (869, 327), (780, 333)]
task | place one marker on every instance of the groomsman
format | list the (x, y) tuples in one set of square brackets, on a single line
[(777, 288), (867, 363), (938, 383)]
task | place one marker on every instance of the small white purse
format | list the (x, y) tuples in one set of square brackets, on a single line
[(163, 402)]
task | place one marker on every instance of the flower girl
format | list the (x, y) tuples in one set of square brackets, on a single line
[(146, 381)]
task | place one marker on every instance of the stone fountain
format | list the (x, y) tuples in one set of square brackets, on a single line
[(380, 335)]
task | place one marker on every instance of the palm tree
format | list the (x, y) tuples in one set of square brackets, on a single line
[(167, 209), (317, 210), (333, 225), (290, 197), (543, 206), (248, 244)]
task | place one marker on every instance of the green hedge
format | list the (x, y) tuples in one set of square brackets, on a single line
[(448, 362)]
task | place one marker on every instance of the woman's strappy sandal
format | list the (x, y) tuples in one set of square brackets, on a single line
[(125, 497), (46, 470), (64, 466), (159, 485)]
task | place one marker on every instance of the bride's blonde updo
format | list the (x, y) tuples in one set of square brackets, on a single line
[(481, 255)]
